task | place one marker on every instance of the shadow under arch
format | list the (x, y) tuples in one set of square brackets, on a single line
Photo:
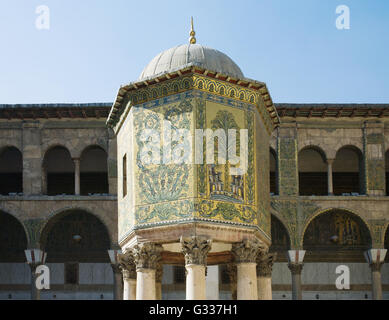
[(280, 238), (13, 239), (75, 235), (11, 170), (348, 171), (94, 170), (336, 234), (312, 170)]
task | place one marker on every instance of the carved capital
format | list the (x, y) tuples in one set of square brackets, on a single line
[(295, 268), (247, 251), (127, 265), (195, 249), (265, 264), (147, 255)]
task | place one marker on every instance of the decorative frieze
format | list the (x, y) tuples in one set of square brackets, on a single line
[(147, 255), (195, 249)]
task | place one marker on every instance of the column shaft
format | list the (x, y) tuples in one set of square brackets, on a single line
[(145, 284), (329, 177), (195, 282), (76, 176), (129, 289), (264, 288), (297, 293), (118, 286), (376, 284), (247, 281)]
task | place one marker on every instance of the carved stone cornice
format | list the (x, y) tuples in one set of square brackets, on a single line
[(247, 251), (127, 265), (296, 268), (265, 264), (147, 255), (376, 266), (195, 249)]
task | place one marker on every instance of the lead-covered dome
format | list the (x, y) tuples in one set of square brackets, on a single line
[(191, 54)]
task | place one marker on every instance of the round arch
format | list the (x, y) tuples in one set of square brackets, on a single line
[(280, 235), (336, 230), (348, 171), (75, 235), (94, 170), (13, 238), (11, 170), (312, 169), (58, 171)]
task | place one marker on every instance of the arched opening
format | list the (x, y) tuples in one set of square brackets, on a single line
[(13, 239), (78, 236), (337, 235), (93, 171), (312, 172), (347, 172), (279, 237), (11, 171), (58, 168), (273, 173), (78, 241)]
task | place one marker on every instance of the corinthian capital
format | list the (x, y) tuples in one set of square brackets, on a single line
[(127, 265), (147, 255), (265, 264), (246, 251), (195, 249)]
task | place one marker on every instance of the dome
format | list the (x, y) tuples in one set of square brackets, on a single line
[(191, 54)]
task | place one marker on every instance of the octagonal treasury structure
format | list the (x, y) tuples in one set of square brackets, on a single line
[(167, 124)]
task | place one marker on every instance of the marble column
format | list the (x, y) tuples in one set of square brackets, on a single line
[(232, 274), (158, 281), (35, 292), (117, 282), (376, 259), (76, 176), (128, 269), (330, 183), (146, 256), (195, 249), (245, 255), (264, 273), (295, 265), (35, 258)]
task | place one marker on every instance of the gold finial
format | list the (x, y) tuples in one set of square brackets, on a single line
[(192, 39)]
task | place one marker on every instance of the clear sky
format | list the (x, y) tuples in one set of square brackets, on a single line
[(93, 47)]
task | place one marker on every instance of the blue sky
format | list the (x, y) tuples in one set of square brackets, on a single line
[(93, 47)]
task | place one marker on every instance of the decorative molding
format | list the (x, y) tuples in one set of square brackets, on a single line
[(195, 249)]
